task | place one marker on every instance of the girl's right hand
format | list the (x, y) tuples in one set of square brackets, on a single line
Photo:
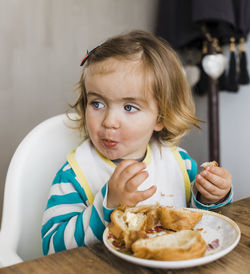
[(123, 184)]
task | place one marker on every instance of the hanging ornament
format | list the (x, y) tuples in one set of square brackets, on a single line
[(193, 74), (232, 84), (222, 81), (214, 65), (243, 78), (202, 85)]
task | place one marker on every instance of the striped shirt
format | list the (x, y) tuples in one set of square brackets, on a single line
[(70, 221)]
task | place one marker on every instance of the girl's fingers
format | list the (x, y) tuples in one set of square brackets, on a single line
[(136, 181), (145, 194), (209, 189), (124, 171), (131, 170), (123, 165), (208, 196), (219, 171), (213, 179)]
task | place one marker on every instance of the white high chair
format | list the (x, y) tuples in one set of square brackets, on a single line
[(31, 171)]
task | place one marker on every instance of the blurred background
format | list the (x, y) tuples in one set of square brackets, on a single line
[(42, 45)]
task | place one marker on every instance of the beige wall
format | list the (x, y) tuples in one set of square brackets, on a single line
[(42, 43)]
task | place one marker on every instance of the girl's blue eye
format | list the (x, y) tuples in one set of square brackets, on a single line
[(130, 108), (97, 104)]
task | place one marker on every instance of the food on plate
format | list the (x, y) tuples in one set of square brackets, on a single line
[(131, 223), (213, 245), (213, 163), (182, 245), (178, 218), (157, 232)]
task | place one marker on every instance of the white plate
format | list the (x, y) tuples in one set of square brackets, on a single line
[(214, 226)]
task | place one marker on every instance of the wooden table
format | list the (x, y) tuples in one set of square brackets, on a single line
[(97, 259)]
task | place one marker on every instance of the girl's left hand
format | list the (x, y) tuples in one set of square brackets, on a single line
[(213, 183)]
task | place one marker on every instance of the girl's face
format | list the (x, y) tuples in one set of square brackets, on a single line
[(120, 115)]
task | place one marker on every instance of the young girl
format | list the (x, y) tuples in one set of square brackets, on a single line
[(134, 106)]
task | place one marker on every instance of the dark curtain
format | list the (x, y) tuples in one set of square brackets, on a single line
[(180, 21)]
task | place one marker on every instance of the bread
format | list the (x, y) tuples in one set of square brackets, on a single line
[(131, 223), (182, 245), (178, 218), (213, 163)]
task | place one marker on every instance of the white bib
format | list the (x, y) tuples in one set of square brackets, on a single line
[(164, 164)]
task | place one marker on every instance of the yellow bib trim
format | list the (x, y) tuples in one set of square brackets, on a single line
[(106, 159), (147, 159), (184, 172), (82, 179)]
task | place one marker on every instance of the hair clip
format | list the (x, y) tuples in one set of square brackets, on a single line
[(85, 58)]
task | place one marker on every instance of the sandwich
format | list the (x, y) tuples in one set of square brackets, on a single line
[(135, 228), (182, 245), (131, 223), (212, 163), (178, 218)]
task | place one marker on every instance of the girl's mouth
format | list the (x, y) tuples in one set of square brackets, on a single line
[(109, 143)]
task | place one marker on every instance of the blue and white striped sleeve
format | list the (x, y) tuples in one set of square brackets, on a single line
[(191, 167), (68, 220)]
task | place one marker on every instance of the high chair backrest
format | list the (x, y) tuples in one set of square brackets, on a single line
[(31, 171)]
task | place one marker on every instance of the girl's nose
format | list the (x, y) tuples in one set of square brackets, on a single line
[(111, 120)]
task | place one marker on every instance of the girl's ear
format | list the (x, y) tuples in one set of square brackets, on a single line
[(159, 123), (158, 126)]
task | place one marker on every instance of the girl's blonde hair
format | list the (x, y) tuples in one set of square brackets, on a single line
[(168, 82)]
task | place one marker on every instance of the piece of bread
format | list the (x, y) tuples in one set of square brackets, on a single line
[(131, 223), (177, 219), (213, 163), (182, 245)]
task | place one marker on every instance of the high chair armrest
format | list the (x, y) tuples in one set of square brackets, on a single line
[(7, 255)]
